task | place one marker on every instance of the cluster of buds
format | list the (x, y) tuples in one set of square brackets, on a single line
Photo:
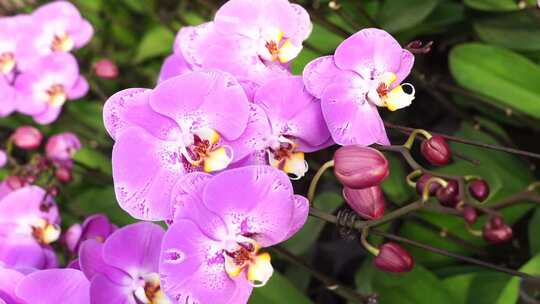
[(56, 160), (361, 170)]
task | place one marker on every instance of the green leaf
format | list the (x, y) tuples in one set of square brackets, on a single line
[(495, 5), (510, 293), (476, 288), (534, 228), (419, 286), (99, 200), (519, 31), (94, 159), (399, 15), (506, 77), (304, 239), (157, 41), (395, 187), (278, 291)]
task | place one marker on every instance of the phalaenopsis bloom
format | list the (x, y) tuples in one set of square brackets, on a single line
[(285, 122), (251, 39), (96, 227), (29, 223), (124, 269), (364, 73), (214, 250), (37, 73), (183, 125)]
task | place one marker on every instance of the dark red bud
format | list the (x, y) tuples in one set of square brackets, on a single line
[(479, 189), (436, 150), (393, 258), (469, 214), (27, 138), (418, 47), (360, 167), (54, 191), (369, 203), (421, 183), (63, 174), (496, 231), (30, 179), (448, 196)]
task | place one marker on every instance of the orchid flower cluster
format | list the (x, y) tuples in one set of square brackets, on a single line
[(38, 74), (211, 150)]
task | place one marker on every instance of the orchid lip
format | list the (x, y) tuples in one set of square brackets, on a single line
[(150, 292), (56, 95), (62, 43), (7, 62), (286, 157), (45, 232), (206, 152), (243, 254)]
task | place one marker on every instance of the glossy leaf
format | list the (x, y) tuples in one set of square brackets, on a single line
[(156, 42), (398, 15), (510, 293), (519, 31), (278, 291)]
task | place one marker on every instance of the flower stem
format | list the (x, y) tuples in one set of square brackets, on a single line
[(363, 239), (315, 181), (410, 141)]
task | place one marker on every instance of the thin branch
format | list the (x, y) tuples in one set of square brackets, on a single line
[(469, 142), (329, 283)]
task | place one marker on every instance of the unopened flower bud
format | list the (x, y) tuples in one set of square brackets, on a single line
[(479, 189), (15, 182), (469, 214), (54, 191), (436, 150), (448, 196), (368, 203), (496, 231), (106, 69), (393, 258), (63, 174), (62, 146), (360, 167), (27, 138), (421, 183)]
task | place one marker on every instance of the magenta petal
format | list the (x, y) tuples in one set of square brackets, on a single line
[(82, 34), (407, 62), (187, 203), (79, 89), (369, 48), (322, 72), (131, 107), (350, 118), (292, 110), (9, 279), (213, 99), (24, 203), (103, 290), (269, 209), (254, 139), (144, 172), (7, 98), (192, 266), (134, 248), (48, 116), (174, 65), (300, 215), (55, 286), (193, 41), (22, 253), (91, 258)]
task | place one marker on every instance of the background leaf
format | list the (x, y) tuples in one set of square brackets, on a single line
[(278, 291)]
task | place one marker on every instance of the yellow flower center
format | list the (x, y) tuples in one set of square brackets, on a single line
[(286, 157), (151, 292), (7, 62), (62, 43), (206, 152), (395, 98), (278, 48), (45, 232), (56, 95), (245, 255)]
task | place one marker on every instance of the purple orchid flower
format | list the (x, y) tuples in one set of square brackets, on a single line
[(174, 65), (57, 27), (9, 279), (286, 122), (63, 146), (251, 39), (45, 88), (212, 251), (7, 97), (124, 269), (183, 125), (96, 227), (29, 222), (365, 72), (54, 286)]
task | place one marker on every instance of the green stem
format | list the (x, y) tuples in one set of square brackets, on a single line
[(363, 239), (410, 141), (315, 181)]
